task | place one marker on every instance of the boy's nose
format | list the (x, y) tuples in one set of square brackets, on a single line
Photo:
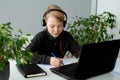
[(56, 29)]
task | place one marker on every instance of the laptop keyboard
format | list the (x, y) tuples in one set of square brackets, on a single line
[(68, 70)]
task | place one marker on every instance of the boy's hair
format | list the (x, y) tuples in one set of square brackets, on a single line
[(55, 11)]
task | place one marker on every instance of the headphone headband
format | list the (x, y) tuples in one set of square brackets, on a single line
[(55, 10), (64, 22)]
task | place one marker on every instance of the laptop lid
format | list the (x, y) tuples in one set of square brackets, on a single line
[(95, 59)]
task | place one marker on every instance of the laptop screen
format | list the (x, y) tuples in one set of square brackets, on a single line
[(95, 59)]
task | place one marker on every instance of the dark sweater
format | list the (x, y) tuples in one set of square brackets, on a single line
[(43, 44)]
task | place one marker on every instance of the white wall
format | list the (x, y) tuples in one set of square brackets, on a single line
[(27, 14), (111, 6)]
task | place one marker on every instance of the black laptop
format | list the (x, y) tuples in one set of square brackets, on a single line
[(95, 59)]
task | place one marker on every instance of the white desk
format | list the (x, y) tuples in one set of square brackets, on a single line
[(16, 75)]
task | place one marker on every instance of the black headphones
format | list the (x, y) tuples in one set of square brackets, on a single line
[(65, 21)]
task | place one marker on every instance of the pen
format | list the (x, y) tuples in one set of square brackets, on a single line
[(55, 56)]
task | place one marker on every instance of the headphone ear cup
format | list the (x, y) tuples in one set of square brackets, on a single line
[(43, 23), (64, 23)]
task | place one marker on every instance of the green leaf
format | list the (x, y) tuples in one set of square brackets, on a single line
[(93, 29)]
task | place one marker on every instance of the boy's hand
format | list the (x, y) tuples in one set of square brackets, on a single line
[(56, 61)]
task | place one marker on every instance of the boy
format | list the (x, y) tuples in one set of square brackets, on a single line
[(50, 45)]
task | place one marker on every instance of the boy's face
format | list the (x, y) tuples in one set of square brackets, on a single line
[(54, 26)]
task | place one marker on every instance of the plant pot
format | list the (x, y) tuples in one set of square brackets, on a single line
[(4, 75)]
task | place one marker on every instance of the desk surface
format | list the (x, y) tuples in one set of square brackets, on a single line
[(15, 74)]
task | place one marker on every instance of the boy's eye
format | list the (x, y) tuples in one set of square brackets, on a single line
[(60, 26), (52, 26)]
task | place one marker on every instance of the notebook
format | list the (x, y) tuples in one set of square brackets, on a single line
[(31, 70), (95, 59)]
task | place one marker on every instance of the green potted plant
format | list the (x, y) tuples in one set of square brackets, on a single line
[(12, 48), (93, 29)]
